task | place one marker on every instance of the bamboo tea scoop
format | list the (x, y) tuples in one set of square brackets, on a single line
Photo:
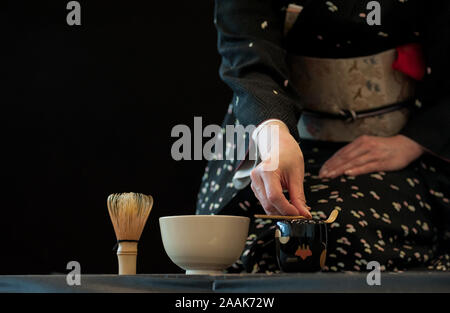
[(329, 220), (280, 217)]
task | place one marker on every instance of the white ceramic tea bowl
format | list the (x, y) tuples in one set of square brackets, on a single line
[(204, 244)]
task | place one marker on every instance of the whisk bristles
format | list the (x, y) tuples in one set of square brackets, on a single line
[(129, 213)]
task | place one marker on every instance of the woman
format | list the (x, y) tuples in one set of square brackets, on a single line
[(363, 115)]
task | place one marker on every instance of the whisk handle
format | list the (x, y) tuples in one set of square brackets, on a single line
[(127, 257)]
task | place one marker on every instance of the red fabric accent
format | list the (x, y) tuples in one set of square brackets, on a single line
[(410, 61)]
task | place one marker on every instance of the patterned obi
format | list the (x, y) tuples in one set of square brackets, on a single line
[(355, 85)]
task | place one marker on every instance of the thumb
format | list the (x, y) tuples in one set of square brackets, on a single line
[(297, 196)]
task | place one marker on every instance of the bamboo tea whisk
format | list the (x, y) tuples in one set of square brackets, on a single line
[(129, 213)]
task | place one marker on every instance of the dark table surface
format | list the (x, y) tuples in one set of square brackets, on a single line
[(248, 283)]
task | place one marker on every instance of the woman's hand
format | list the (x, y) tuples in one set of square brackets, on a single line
[(268, 183), (368, 154)]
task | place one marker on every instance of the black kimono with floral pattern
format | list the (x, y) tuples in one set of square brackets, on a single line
[(397, 218)]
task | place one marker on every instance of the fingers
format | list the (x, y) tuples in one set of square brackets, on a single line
[(268, 190), (333, 166), (364, 169), (340, 158), (258, 188), (297, 196), (354, 163), (275, 195)]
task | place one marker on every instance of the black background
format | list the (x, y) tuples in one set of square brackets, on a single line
[(87, 111)]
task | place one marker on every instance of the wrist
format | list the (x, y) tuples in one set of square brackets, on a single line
[(280, 123), (263, 130), (267, 136), (412, 145)]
